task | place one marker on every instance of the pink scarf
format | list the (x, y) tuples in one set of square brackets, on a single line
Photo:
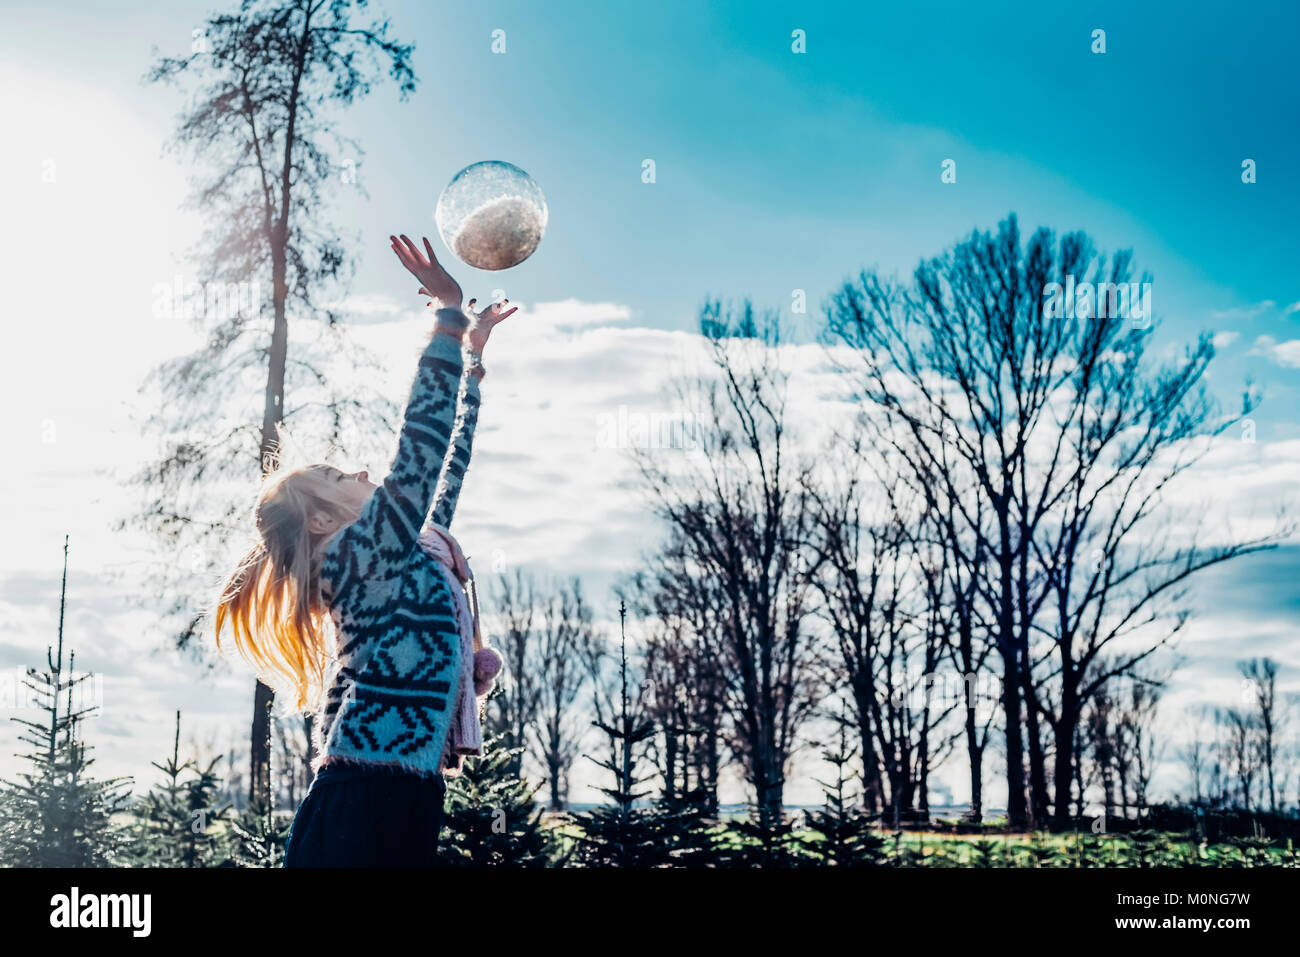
[(465, 737)]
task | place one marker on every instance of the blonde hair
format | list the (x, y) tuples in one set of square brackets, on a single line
[(272, 600)]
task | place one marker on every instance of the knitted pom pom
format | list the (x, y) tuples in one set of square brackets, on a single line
[(487, 664)]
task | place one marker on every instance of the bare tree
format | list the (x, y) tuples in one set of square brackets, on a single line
[(1197, 757), (1243, 753), (1065, 442), (269, 80), (1221, 765), (1138, 747), (684, 681), (1261, 673), (292, 773), (856, 547), (1099, 735), (566, 640), (513, 710), (882, 590), (740, 512)]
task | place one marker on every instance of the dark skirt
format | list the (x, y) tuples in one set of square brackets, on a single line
[(358, 816)]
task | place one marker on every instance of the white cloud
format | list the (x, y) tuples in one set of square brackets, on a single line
[(1224, 339), (1245, 312), (572, 313), (544, 491), (378, 308), (374, 307), (1283, 353)]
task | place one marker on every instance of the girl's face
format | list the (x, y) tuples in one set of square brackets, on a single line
[(349, 490)]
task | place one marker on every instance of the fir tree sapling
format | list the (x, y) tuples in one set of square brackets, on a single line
[(847, 836), (259, 840), (177, 822), (57, 815), (669, 833), (491, 818)]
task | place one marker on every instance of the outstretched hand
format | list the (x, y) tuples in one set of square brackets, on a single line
[(435, 282), (484, 322)]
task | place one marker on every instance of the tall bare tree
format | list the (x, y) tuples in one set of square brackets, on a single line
[(883, 577), (513, 710), (1241, 753), (1056, 442), (267, 83), (1196, 757), (739, 509), (1099, 748), (567, 643), (1270, 716), (685, 676), (1138, 746)]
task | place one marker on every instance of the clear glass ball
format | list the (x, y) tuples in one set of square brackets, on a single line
[(491, 215)]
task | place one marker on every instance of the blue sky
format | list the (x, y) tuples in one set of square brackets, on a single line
[(779, 171), (776, 171)]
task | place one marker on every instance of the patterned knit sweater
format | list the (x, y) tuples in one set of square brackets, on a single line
[(392, 690)]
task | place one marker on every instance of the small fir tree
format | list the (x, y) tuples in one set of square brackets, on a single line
[(177, 822), (847, 835), (57, 815), (668, 833), (491, 818), (258, 839)]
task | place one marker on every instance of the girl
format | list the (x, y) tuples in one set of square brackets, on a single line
[(346, 573)]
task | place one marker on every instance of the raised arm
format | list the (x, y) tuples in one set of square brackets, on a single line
[(377, 545), (454, 468), (457, 461), (371, 552)]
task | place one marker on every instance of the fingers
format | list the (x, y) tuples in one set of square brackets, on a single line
[(432, 258), (493, 313), (415, 251), (403, 256)]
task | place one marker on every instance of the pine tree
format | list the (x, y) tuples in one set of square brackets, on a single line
[(760, 841), (258, 839), (57, 815), (175, 822), (490, 817), (668, 833), (848, 838)]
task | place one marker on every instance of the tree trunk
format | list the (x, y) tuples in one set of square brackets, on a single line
[(556, 785), (307, 723), (1077, 745), (975, 754), (872, 801), (709, 778), (272, 414), (1064, 765), (770, 788), (1038, 803), (1009, 648), (260, 770), (670, 763), (1016, 808)]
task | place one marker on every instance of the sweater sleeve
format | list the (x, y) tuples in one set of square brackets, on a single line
[(457, 462), (373, 550)]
